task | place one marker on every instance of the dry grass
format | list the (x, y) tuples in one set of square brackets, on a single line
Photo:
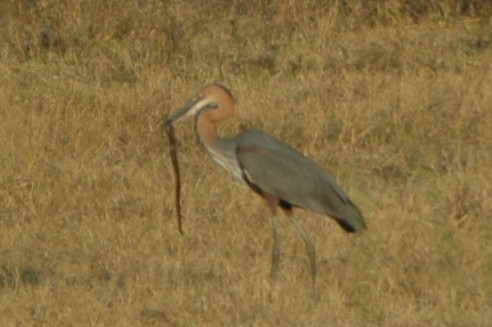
[(393, 97)]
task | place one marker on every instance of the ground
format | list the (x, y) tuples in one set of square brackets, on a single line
[(392, 97)]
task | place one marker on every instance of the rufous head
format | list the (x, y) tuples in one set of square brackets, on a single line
[(214, 99)]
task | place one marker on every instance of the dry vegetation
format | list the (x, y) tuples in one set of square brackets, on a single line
[(393, 97)]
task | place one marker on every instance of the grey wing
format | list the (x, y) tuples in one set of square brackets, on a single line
[(278, 169)]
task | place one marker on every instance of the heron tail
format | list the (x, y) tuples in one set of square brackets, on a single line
[(351, 219)]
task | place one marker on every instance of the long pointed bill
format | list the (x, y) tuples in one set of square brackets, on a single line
[(184, 112)]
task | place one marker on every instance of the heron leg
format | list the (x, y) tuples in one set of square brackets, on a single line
[(272, 204), (311, 250), (276, 248)]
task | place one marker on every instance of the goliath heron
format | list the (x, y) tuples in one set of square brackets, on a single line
[(271, 168)]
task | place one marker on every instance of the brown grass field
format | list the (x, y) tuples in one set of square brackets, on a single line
[(393, 98)]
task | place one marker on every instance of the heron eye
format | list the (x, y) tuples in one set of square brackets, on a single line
[(210, 105)]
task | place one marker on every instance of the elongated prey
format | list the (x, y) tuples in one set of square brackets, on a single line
[(173, 153)]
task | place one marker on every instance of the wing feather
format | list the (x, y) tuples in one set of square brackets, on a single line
[(278, 169)]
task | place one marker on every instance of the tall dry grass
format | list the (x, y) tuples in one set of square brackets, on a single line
[(393, 97)]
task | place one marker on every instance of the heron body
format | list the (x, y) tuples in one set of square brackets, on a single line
[(279, 173)]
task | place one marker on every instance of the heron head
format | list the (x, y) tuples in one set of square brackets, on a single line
[(212, 96)]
